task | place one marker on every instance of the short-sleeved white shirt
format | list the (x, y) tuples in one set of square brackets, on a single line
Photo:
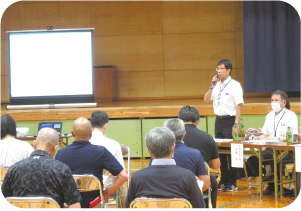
[(14, 150), (289, 119), (112, 146), (231, 96)]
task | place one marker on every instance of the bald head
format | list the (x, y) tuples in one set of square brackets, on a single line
[(46, 140), (82, 129)]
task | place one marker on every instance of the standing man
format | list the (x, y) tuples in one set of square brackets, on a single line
[(203, 142), (227, 97)]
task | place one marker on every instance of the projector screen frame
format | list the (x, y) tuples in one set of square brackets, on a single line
[(52, 99)]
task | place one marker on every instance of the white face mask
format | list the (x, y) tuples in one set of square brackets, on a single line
[(276, 107)]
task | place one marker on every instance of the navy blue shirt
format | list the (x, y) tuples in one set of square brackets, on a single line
[(84, 158), (188, 158)]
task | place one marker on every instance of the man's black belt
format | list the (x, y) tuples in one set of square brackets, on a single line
[(224, 117)]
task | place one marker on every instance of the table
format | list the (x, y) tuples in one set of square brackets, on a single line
[(61, 139), (277, 157)]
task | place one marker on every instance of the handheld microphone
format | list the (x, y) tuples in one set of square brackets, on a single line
[(213, 83)]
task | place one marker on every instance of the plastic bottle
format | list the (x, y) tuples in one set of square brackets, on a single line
[(241, 126), (289, 136), (235, 134)]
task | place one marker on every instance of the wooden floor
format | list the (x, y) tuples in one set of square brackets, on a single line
[(235, 199)]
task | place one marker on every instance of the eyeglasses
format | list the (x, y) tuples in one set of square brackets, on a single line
[(217, 69)]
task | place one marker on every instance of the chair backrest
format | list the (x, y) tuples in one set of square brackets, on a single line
[(85, 183), (33, 202), (160, 203), (3, 173), (208, 169)]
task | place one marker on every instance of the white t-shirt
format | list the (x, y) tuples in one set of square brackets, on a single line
[(113, 146), (280, 123), (13, 150), (231, 96)]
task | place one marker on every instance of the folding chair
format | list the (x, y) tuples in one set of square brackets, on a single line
[(160, 203), (87, 183), (208, 195), (3, 173), (33, 202)]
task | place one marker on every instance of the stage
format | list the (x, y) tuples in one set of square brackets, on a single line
[(154, 108)]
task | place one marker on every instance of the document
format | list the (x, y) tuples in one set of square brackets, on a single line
[(298, 157), (237, 155)]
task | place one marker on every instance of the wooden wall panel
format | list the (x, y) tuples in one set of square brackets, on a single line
[(198, 51), (238, 16), (240, 49), (198, 16), (5, 89), (4, 58), (112, 18), (240, 77), (10, 20), (129, 53), (38, 15), (140, 84), (187, 82), (74, 15)]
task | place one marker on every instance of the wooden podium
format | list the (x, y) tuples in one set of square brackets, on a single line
[(105, 83)]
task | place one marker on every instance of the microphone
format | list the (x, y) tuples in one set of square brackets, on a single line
[(213, 83)]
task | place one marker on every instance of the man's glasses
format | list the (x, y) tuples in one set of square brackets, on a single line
[(217, 69)]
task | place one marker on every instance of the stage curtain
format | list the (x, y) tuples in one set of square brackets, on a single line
[(271, 47)]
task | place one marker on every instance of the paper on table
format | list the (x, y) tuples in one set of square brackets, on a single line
[(298, 157), (222, 140), (200, 183), (237, 155)]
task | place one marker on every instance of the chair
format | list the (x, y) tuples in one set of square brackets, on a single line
[(114, 202), (208, 195), (3, 173), (160, 203), (87, 183), (33, 202)]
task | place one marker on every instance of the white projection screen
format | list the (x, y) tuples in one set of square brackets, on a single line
[(48, 67)]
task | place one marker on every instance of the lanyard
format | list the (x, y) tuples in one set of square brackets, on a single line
[(278, 122), (220, 87)]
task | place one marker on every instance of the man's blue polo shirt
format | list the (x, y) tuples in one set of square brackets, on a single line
[(84, 158), (188, 158)]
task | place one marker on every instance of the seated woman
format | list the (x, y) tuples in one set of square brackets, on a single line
[(11, 149), (275, 127)]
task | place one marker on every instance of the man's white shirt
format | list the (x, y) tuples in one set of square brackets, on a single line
[(289, 119), (112, 146), (231, 96), (13, 150)]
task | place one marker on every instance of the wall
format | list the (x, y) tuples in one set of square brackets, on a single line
[(162, 50)]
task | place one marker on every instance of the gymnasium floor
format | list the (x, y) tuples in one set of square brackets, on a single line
[(239, 198)]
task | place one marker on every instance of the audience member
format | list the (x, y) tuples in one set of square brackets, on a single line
[(40, 175), (275, 127), (11, 149), (187, 157), (99, 121), (84, 158), (164, 179), (203, 142)]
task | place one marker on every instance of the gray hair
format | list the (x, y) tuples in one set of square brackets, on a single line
[(160, 141), (177, 127), (47, 136)]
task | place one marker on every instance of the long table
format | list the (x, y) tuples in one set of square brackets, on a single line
[(279, 152), (61, 139)]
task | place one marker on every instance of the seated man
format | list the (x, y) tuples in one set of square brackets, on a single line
[(40, 175), (275, 127), (84, 158), (11, 149), (203, 142), (99, 121), (187, 157), (164, 179)]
